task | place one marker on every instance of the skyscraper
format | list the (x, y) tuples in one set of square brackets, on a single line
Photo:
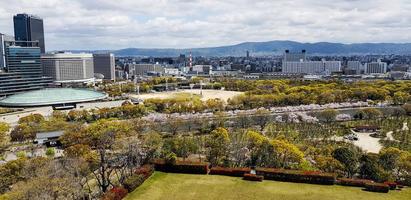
[(29, 28), (105, 64)]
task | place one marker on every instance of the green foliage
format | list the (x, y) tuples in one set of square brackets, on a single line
[(217, 146), (21, 154), (11, 173), (349, 158), (35, 123), (4, 128), (170, 158), (50, 152), (328, 115), (181, 146), (369, 167)]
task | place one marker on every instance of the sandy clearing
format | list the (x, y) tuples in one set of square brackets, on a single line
[(206, 94)]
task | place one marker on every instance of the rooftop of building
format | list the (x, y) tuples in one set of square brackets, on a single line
[(52, 96), (67, 55)]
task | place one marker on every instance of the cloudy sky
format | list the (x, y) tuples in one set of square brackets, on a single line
[(115, 24)]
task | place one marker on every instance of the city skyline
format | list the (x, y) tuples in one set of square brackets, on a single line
[(104, 24)]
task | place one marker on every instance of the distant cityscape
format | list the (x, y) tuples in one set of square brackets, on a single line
[(25, 61)]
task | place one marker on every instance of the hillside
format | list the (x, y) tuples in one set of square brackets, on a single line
[(276, 48)]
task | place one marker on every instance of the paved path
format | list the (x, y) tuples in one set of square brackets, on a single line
[(368, 143)]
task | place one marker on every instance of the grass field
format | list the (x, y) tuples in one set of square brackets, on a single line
[(211, 187)]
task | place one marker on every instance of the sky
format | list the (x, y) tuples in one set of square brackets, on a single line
[(116, 24)]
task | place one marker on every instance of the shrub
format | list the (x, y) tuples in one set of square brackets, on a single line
[(50, 152), (145, 170), (353, 182), (181, 167), (253, 177), (237, 172), (116, 193), (171, 158), (392, 185), (297, 176), (377, 187), (140, 175), (133, 181)]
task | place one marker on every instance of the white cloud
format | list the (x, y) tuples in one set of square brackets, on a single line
[(108, 24)]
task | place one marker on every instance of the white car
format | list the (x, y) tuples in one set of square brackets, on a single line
[(351, 137)]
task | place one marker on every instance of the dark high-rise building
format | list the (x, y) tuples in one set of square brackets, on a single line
[(105, 64), (29, 28)]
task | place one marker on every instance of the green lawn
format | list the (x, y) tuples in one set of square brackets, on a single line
[(201, 187)]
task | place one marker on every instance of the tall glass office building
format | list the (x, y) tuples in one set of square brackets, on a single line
[(29, 28), (23, 70)]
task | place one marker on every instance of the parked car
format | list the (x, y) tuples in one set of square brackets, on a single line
[(351, 137)]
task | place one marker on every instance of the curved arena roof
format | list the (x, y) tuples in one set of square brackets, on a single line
[(51, 96)]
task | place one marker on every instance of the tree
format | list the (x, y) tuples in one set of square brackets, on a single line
[(174, 124), (288, 154), (182, 146), (217, 146), (277, 153), (153, 143), (348, 157), (23, 132), (4, 129), (372, 113), (242, 119), (328, 115), (11, 172), (101, 136), (48, 180), (407, 108), (328, 164), (31, 119), (369, 167), (262, 117), (400, 97)]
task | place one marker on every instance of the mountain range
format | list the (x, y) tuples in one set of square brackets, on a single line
[(276, 48)]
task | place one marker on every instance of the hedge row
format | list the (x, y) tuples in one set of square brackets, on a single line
[(181, 167), (353, 182), (392, 185), (377, 187), (140, 175), (237, 172), (116, 193), (253, 177), (313, 177)]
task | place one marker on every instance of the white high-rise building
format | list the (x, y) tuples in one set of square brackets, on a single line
[(298, 64), (68, 67), (3, 39), (376, 67)]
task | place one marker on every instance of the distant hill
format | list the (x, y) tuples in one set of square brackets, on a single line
[(276, 48)]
